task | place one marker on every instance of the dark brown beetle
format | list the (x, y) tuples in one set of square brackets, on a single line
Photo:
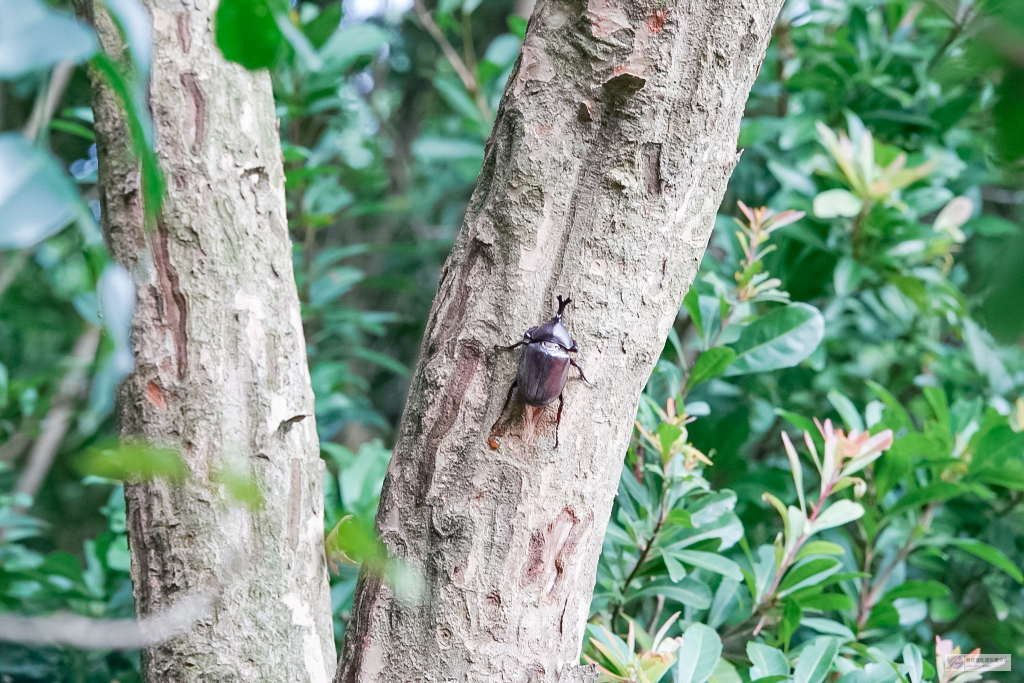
[(543, 367)]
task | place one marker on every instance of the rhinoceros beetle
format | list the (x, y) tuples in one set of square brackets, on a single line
[(543, 367)]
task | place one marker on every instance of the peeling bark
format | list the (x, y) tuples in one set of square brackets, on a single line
[(609, 157), (220, 370)]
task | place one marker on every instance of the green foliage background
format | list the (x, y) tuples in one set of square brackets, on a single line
[(880, 288)]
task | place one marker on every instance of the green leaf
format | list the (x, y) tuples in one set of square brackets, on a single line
[(37, 199), (897, 417), (819, 548), (332, 285), (679, 517), (837, 203), (711, 363), (799, 421), (692, 303), (826, 602), (809, 573), (133, 461), (993, 556), (247, 31), (710, 561), (837, 514), (726, 598), (914, 663), (34, 37), (725, 672), (766, 661), (916, 589), (676, 571), (689, 591), (698, 654), (140, 131), (844, 406), (816, 660), (780, 339), (517, 25), (936, 398), (349, 44), (668, 434), (937, 491), (324, 25), (454, 93), (829, 627)]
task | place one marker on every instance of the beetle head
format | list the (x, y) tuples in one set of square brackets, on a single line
[(553, 330)]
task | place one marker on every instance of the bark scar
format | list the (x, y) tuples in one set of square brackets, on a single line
[(184, 31), (175, 308), (197, 104), (550, 552), (294, 503), (469, 360), (652, 167)]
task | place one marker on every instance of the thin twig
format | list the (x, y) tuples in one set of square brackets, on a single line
[(72, 630), (55, 425), (47, 104), (468, 79), (451, 54)]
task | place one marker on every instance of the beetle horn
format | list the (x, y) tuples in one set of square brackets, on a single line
[(562, 303)]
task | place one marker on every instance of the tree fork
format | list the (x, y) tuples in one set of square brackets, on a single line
[(220, 372), (610, 153)]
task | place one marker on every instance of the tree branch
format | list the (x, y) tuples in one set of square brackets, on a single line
[(55, 424)]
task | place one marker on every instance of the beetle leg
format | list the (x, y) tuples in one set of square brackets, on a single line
[(558, 418), (582, 376), (511, 390), (514, 346)]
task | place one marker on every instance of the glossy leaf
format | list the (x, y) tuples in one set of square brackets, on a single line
[(247, 31), (782, 338), (766, 661), (993, 556), (33, 37), (710, 364), (815, 660), (697, 655), (837, 203), (37, 199)]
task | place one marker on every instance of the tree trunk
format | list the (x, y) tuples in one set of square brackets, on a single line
[(609, 157), (220, 370)]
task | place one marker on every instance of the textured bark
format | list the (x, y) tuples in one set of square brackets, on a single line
[(609, 157), (221, 369)]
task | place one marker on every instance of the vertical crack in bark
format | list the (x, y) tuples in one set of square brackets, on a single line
[(295, 503), (469, 360), (197, 106), (175, 308), (137, 533), (185, 31), (587, 188), (456, 311), (357, 635), (652, 167)]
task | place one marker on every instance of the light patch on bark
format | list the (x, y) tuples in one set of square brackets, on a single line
[(535, 65), (606, 17), (529, 258)]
